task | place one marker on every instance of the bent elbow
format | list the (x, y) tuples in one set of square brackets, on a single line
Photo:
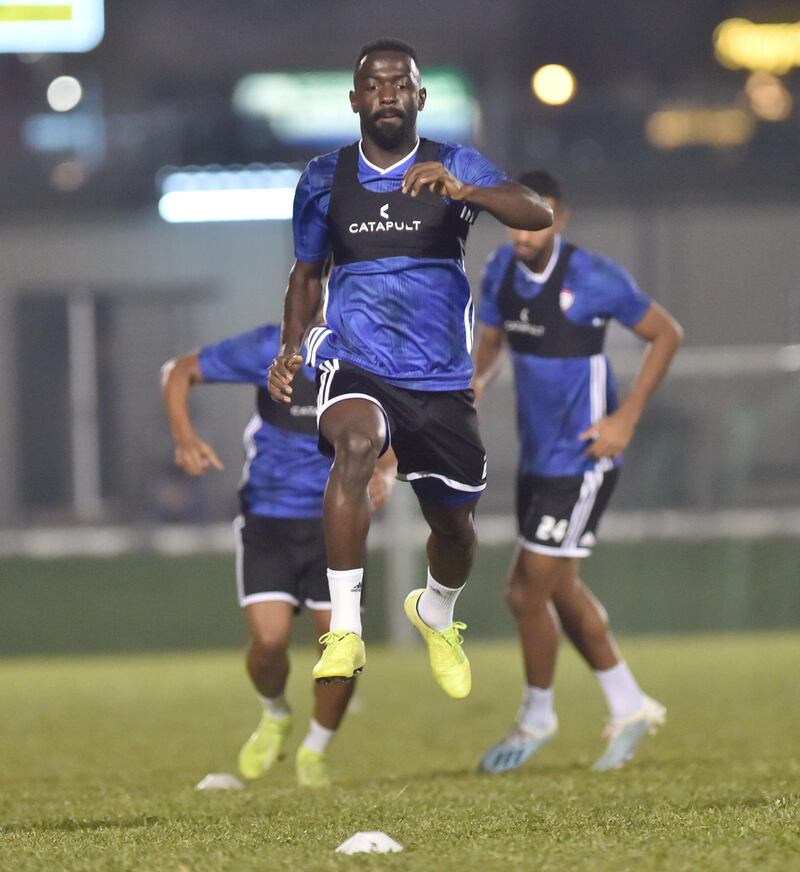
[(543, 218), (166, 371)]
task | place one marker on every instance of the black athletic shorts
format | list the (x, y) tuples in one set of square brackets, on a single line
[(281, 559), (433, 433), (560, 515)]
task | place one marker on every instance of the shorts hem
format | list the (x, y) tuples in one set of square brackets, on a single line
[(451, 483), (325, 406), (551, 551), (318, 605), (269, 596)]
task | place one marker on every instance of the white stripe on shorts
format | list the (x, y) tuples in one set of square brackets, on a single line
[(238, 525), (456, 485), (592, 482)]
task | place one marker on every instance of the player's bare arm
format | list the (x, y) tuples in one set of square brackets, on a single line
[(301, 304), (511, 203), (192, 454), (664, 334), (487, 358)]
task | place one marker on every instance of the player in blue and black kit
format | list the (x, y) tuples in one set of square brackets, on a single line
[(394, 355), (550, 302), (280, 547)]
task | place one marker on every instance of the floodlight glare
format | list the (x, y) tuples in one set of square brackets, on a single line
[(228, 194), (553, 84), (40, 26), (64, 93), (769, 99)]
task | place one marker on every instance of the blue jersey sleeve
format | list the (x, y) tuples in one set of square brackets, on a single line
[(242, 359), (468, 165), (493, 272), (616, 294), (310, 213)]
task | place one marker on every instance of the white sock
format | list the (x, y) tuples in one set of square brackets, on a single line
[(623, 695), (318, 737), (436, 604), (345, 588), (536, 712), (275, 706)]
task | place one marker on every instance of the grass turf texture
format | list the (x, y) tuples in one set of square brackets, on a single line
[(100, 756)]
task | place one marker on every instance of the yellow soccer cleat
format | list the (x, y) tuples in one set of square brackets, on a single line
[(341, 659), (263, 748), (449, 663), (312, 768)]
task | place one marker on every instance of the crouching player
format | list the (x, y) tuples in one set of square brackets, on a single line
[(551, 303), (280, 553)]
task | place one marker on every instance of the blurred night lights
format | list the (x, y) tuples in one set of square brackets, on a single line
[(768, 97), (64, 93), (743, 44), (553, 84), (254, 193), (679, 127), (68, 176)]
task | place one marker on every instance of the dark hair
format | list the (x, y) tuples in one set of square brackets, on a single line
[(385, 44), (543, 183)]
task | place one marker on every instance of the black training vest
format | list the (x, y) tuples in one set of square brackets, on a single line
[(299, 416), (364, 225), (539, 326)]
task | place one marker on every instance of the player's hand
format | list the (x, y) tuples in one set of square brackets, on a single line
[(194, 456), (380, 486), (609, 436), (477, 387), (433, 176), (280, 376)]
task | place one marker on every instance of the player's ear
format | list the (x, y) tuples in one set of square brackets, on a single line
[(423, 96), (353, 104), (562, 217)]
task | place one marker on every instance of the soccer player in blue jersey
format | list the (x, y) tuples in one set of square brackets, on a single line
[(550, 302), (280, 554), (393, 357)]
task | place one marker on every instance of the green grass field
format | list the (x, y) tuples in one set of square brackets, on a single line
[(100, 756)]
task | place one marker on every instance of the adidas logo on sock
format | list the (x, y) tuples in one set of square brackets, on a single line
[(356, 589)]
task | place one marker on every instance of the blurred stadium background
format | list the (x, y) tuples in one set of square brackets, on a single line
[(149, 154), (134, 147)]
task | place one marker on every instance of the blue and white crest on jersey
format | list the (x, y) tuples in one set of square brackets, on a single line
[(565, 299)]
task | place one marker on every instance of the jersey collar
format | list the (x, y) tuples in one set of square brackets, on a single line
[(394, 166), (544, 275)]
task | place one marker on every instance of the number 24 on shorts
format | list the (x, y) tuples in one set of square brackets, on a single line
[(550, 528)]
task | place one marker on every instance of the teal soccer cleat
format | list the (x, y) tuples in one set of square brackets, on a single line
[(624, 736), (518, 746)]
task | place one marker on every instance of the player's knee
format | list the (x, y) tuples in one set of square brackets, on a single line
[(520, 596), (268, 648), (525, 595), (459, 530), (356, 453)]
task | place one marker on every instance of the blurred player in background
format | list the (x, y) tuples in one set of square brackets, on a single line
[(551, 303), (394, 355), (280, 554)]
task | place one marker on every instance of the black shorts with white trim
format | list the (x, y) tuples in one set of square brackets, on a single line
[(433, 433), (281, 560), (559, 515)]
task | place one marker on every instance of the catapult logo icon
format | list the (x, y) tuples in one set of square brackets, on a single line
[(384, 225), (523, 324)]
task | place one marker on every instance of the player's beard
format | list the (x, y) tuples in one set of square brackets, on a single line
[(389, 135)]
